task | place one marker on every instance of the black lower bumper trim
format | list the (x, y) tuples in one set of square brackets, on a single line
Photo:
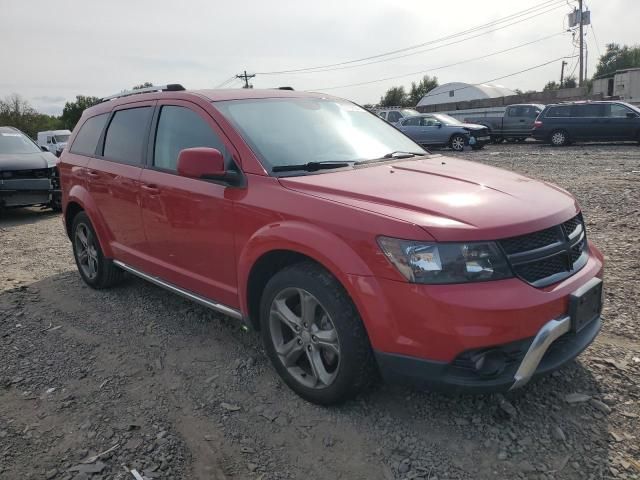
[(450, 377)]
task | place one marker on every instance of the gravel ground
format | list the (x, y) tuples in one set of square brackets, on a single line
[(96, 383)]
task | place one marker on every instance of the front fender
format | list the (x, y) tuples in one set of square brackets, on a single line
[(79, 194), (326, 248)]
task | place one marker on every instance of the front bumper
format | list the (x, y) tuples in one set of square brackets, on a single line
[(422, 332), (26, 192), (550, 349)]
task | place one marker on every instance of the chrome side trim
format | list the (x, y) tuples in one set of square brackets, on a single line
[(232, 312), (549, 332)]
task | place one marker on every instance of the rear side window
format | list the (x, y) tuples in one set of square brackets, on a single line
[(87, 138), (383, 115), (559, 112), (594, 110), (393, 116), (412, 122), (180, 128), (127, 135)]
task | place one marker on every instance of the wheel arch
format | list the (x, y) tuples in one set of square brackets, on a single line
[(275, 247), (79, 200)]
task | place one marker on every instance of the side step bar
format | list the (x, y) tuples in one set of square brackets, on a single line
[(231, 312)]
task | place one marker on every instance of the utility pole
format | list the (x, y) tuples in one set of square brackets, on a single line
[(562, 73), (581, 45), (244, 76)]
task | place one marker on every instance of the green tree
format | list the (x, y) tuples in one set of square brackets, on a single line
[(73, 110), (618, 58), (552, 85), (420, 89), (16, 112), (395, 97), (143, 85), (570, 82)]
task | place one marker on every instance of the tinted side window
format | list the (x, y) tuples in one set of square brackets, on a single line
[(514, 112), (412, 122), (393, 116), (563, 111), (87, 139), (127, 135), (180, 128), (383, 115), (617, 111), (594, 110)]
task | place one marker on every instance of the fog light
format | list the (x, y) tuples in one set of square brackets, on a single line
[(490, 363)]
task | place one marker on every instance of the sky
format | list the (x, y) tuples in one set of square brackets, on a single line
[(51, 52)]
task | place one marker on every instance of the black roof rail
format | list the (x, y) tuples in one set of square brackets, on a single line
[(171, 87)]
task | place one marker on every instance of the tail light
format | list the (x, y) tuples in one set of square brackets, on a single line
[(537, 124)]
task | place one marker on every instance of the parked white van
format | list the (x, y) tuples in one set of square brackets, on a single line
[(54, 140)]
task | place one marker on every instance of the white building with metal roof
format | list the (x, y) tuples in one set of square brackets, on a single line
[(461, 92)]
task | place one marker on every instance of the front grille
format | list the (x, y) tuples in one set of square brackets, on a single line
[(532, 241), (30, 173), (548, 256)]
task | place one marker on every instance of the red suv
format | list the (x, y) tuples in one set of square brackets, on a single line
[(352, 250)]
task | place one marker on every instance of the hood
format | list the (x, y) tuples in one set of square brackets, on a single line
[(453, 200), (473, 126), (27, 161)]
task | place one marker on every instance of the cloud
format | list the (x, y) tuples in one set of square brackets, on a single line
[(99, 48)]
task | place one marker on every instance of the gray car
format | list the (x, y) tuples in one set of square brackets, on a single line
[(436, 129), (28, 175)]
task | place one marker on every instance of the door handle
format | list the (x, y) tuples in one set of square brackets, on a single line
[(522, 121), (92, 174), (152, 189)]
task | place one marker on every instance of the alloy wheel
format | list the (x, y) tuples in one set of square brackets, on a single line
[(86, 251), (457, 143), (305, 338), (558, 138)]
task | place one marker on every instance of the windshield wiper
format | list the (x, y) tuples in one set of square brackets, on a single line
[(398, 154), (311, 166), (401, 154)]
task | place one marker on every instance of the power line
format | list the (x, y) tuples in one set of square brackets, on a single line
[(498, 78), (442, 66), (226, 82), (543, 5), (344, 67)]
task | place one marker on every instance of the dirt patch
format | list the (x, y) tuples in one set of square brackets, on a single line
[(170, 389)]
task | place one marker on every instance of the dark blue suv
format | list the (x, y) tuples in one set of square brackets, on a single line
[(563, 123)]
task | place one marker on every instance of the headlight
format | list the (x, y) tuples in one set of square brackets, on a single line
[(422, 262)]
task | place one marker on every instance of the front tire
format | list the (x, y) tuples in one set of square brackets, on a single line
[(314, 336), (96, 270), (457, 143), (559, 138)]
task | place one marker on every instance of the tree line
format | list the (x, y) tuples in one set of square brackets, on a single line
[(17, 112), (615, 58)]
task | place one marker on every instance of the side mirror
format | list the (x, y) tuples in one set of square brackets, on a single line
[(632, 115), (201, 162), (44, 148), (439, 125)]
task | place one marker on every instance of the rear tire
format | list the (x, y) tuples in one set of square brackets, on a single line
[(314, 336), (97, 271), (559, 138)]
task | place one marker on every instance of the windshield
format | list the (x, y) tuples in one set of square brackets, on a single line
[(290, 131), (447, 120), (16, 142), (408, 112), (61, 138)]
